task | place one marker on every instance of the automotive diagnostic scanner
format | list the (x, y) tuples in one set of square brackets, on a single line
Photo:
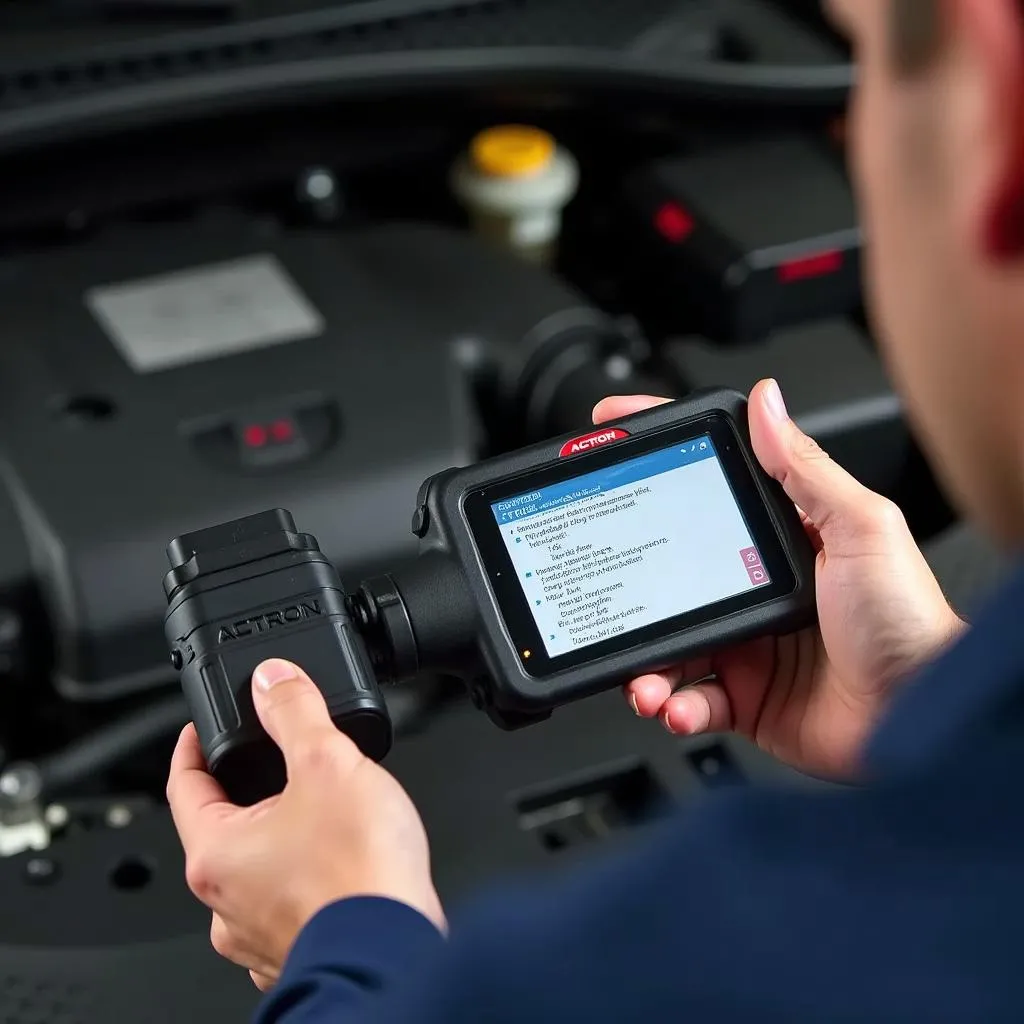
[(552, 573), (591, 559), (251, 590)]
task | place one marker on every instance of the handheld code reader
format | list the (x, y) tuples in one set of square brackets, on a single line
[(544, 576)]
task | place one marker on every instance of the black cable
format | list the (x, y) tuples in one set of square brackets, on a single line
[(808, 87), (112, 744)]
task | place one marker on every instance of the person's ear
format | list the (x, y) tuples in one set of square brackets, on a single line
[(987, 97)]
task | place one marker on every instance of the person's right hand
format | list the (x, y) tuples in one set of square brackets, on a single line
[(812, 699)]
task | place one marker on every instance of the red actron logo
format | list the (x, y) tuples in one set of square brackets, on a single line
[(588, 442)]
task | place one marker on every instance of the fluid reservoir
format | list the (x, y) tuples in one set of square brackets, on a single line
[(515, 181)]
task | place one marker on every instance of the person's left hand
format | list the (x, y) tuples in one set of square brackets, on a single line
[(342, 827)]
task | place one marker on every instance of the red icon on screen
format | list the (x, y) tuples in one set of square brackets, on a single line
[(674, 223), (259, 435), (755, 570), (255, 435), (819, 264), (282, 430)]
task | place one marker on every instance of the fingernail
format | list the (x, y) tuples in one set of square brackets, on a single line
[(776, 403), (272, 672), (665, 720), (632, 704)]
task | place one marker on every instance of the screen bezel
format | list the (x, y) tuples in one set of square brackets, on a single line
[(511, 600)]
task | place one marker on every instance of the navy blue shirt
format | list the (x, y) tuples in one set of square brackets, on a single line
[(899, 900)]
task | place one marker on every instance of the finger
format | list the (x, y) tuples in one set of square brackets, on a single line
[(617, 406), (697, 709), (226, 944), (811, 530), (292, 710), (223, 942), (262, 981), (191, 791), (820, 487), (647, 694), (746, 674)]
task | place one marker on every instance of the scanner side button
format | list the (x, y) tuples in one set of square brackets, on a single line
[(220, 699), (420, 521)]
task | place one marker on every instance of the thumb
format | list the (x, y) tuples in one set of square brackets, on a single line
[(829, 495), (290, 707)]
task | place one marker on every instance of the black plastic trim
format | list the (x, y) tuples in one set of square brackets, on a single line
[(819, 87)]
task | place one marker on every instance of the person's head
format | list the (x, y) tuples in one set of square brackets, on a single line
[(937, 147)]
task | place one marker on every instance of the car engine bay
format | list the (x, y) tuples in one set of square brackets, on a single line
[(236, 273)]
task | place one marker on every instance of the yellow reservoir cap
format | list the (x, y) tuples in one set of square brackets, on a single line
[(512, 151)]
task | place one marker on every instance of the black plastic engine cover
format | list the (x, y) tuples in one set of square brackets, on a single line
[(111, 443)]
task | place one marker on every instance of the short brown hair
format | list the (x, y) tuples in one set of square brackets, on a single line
[(915, 30)]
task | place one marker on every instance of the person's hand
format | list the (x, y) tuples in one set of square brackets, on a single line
[(812, 699), (342, 827)]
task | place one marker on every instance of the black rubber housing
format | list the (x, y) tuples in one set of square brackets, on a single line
[(419, 619), (510, 695), (578, 388), (247, 591)]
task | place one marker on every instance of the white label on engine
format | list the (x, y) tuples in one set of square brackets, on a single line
[(204, 313)]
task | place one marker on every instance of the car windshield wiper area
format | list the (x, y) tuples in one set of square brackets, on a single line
[(55, 15), (164, 10)]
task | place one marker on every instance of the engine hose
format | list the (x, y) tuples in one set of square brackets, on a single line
[(107, 747)]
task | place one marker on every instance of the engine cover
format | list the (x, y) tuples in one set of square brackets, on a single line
[(158, 379)]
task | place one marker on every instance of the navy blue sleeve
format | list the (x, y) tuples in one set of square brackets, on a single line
[(899, 902), (888, 904), (349, 954)]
